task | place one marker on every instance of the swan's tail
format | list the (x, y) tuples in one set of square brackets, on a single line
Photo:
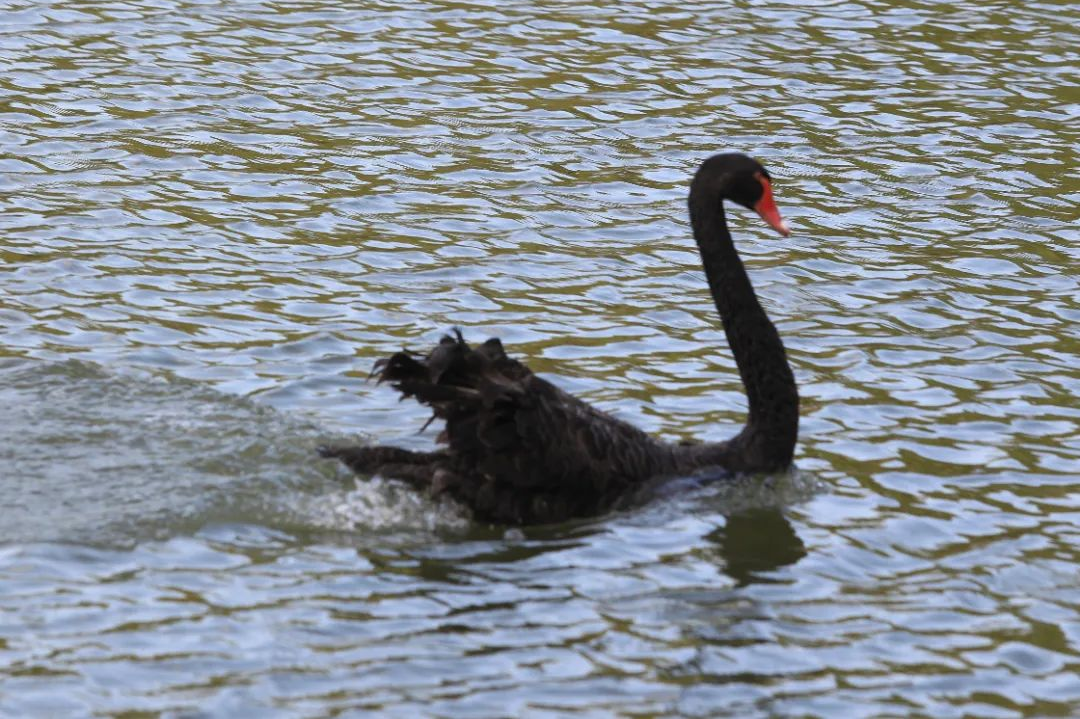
[(416, 468), (474, 388)]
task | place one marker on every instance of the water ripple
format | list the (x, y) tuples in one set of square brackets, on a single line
[(215, 218)]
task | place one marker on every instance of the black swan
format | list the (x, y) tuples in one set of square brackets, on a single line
[(521, 451)]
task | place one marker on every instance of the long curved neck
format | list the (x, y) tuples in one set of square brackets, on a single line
[(768, 440)]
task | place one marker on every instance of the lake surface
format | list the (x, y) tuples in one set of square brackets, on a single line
[(215, 217)]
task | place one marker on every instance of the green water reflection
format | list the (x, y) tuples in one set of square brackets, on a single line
[(215, 217)]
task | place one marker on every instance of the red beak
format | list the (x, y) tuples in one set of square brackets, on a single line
[(767, 208)]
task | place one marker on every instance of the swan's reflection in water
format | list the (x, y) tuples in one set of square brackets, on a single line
[(756, 541)]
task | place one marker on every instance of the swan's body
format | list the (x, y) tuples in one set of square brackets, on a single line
[(522, 451)]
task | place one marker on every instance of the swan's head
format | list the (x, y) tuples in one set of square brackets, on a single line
[(742, 179)]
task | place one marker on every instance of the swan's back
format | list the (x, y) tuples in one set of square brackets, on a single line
[(519, 449)]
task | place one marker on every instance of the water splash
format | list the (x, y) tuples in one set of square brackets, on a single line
[(103, 456)]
